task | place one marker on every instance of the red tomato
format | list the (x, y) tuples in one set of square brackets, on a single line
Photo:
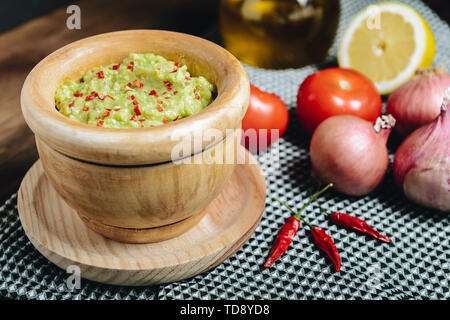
[(265, 111), (336, 91)]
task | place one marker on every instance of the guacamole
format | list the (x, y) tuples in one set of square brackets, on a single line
[(141, 91)]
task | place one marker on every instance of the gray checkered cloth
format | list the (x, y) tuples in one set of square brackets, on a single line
[(414, 266)]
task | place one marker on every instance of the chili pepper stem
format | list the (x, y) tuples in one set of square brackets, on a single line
[(297, 214)]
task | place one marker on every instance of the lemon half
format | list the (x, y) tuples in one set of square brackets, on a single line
[(387, 42)]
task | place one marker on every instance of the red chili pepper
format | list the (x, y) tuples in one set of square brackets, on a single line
[(197, 96), (110, 97), (355, 223), (176, 118), (116, 109), (116, 66), (187, 78), (175, 92), (283, 240), (137, 111), (138, 84), (105, 114), (177, 64), (159, 101), (165, 121), (128, 84), (77, 94), (174, 70), (89, 98), (153, 93), (133, 118), (160, 109), (142, 120), (72, 104), (100, 123), (289, 229), (85, 108), (131, 68), (100, 75), (327, 245), (135, 102)]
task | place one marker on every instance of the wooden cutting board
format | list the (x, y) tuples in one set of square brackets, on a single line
[(23, 47)]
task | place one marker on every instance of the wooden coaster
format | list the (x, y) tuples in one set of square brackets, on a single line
[(57, 232)]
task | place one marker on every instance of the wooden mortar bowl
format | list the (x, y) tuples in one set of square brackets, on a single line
[(124, 183)]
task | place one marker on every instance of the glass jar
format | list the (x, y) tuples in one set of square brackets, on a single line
[(279, 34)]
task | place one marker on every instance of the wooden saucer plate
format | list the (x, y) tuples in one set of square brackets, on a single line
[(60, 235)]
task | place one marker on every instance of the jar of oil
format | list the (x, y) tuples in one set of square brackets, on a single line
[(278, 34)]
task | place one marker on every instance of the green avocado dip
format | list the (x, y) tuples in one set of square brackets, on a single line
[(143, 90)]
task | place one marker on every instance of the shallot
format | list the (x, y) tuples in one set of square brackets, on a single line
[(422, 162), (418, 101), (351, 152)]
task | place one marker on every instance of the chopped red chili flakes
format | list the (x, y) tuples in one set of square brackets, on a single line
[(97, 117), (160, 109), (72, 104), (100, 123), (116, 66), (133, 118), (165, 121), (101, 97), (132, 63), (138, 84), (197, 96), (128, 84), (177, 64), (176, 118), (160, 101), (100, 75), (187, 78), (131, 97), (166, 97), (105, 114), (110, 97), (165, 92), (137, 111), (89, 98), (142, 120), (117, 109), (174, 70), (108, 109), (131, 68), (135, 102), (85, 108), (77, 95), (175, 92), (95, 94), (153, 93)]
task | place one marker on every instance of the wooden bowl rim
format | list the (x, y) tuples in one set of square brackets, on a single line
[(135, 146)]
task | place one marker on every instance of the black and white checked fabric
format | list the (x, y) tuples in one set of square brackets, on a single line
[(414, 266)]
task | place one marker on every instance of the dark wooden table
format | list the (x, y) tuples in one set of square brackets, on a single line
[(21, 48)]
